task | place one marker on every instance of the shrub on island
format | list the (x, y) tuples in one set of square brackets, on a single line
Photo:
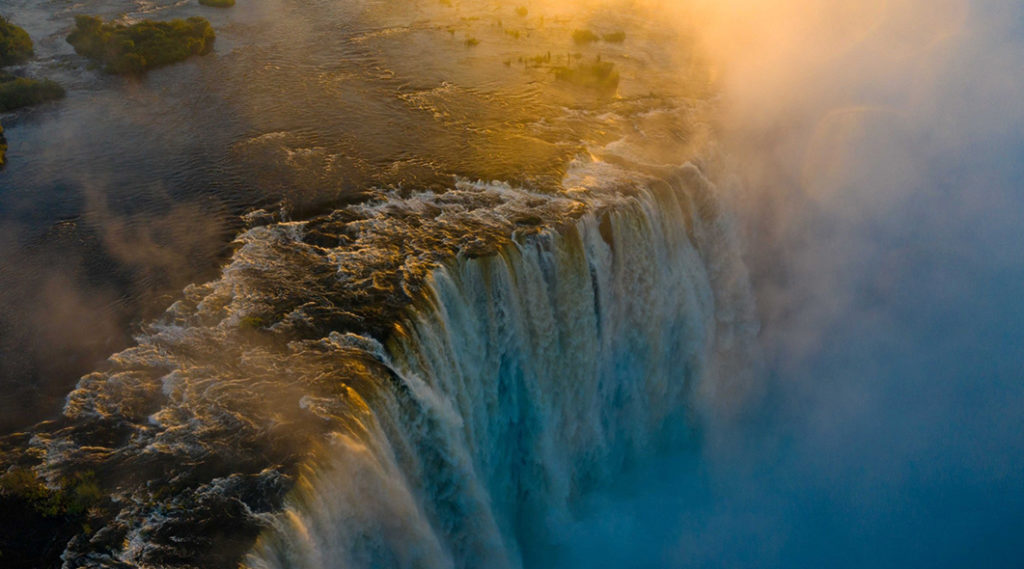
[(18, 92), (15, 45), (218, 3), (139, 47), (584, 36), (39, 519), (614, 37), (599, 75)]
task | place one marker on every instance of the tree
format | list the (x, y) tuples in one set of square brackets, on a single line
[(15, 44)]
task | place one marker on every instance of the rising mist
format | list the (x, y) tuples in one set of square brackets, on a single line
[(877, 149)]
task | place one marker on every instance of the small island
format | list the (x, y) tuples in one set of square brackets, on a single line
[(15, 44), (599, 75), (218, 3), (18, 92), (134, 49), (584, 37), (581, 37)]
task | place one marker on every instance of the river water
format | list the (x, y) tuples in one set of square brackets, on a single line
[(118, 196)]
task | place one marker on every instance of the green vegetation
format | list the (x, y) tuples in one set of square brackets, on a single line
[(599, 75), (545, 60), (73, 498), (588, 36), (537, 60), (39, 519), (584, 36), (614, 37), (15, 45), (3, 148), (522, 11), (18, 92), (252, 322), (218, 3), (142, 46), (472, 42)]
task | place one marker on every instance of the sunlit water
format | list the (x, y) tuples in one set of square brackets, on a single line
[(130, 188)]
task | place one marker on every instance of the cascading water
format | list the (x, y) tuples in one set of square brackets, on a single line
[(523, 380)]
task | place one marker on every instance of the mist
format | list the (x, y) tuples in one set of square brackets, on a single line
[(67, 298), (876, 151)]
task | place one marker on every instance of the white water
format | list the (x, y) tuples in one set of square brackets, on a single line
[(532, 378)]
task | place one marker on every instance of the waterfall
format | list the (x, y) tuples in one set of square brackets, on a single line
[(524, 380)]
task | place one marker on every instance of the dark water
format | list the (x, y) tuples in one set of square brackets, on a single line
[(130, 188)]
